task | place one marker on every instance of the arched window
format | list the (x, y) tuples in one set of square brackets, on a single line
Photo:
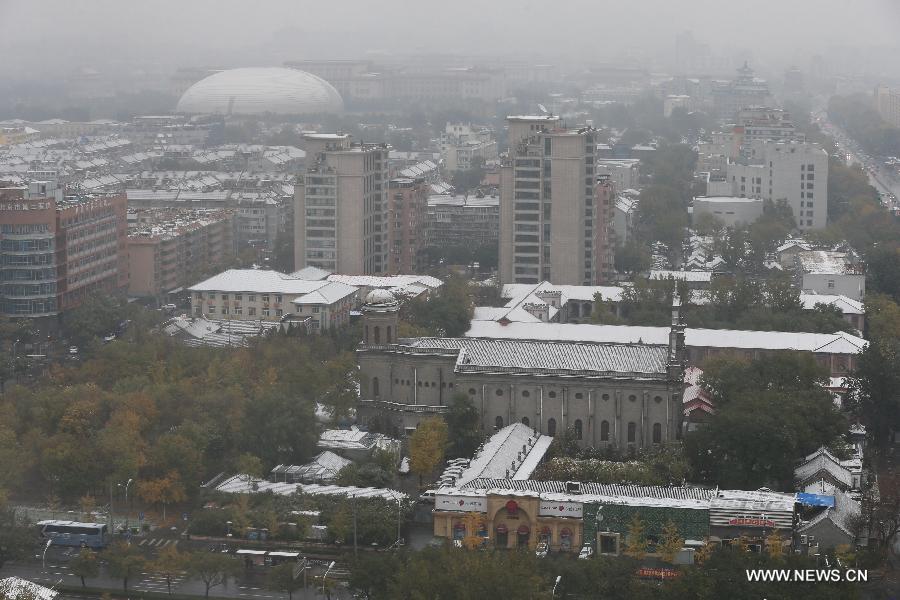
[(657, 433), (498, 422), (375, 391), (632, 431), (388, 340), (526, 421), (377, 334), (604, 431), (551, 427), (578, 429)]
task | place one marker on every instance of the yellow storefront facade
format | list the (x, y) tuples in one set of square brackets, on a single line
[(517, 519)]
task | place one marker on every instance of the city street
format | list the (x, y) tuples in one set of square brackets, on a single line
[(249, 584)]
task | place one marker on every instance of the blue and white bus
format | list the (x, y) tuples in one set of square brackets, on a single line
[(72, 533)]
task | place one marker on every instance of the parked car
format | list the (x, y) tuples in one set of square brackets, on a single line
[(542, 550), (587, 551)]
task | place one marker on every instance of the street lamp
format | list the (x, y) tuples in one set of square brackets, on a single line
[(127, 509), (399, 509), (331, 566), (44, 555), (553, 591)]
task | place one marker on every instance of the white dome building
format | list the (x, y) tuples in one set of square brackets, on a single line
[(258, 91)]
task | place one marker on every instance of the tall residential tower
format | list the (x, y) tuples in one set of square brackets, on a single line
[(340, 206), (554, 221)]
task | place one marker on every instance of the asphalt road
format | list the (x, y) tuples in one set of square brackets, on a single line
[(249, 585)]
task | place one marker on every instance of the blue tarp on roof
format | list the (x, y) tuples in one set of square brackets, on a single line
[(815, 500)]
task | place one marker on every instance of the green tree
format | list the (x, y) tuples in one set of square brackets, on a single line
[(371, 573), (281, 579), (85, 564), (17, 541), (463, 427), (792, 412), (875, 388), (125, 562), (427, 446), (447, 311), (212, 568)]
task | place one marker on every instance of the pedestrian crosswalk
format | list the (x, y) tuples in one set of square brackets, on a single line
[(157, 542), (154, 582)]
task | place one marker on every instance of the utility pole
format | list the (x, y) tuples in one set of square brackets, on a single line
[(112, 531), (355, 549)]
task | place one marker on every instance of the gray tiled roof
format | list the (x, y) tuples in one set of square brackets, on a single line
[(600, 489), (553, 358)]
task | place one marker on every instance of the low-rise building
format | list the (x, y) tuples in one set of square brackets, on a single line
[(833, 273), (250, 294), (625, 173), (731, 211), (468, 221)]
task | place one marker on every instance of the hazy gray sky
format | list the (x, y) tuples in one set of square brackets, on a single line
[(47, 35)]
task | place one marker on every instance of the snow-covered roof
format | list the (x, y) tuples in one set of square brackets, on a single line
[(329, 293), (503, 456), (693, 276), (245, 484), (836, 343), (527, 357), (16, 588), (217, 333), (257, 281), (386, 282), (846, 305), (823, 460), (823, 262)]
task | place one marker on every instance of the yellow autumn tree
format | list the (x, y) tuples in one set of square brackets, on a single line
[(702, 554), (426, 447), (670, 543), (473, 522), (162, 490), (774, 544), (636, 539)]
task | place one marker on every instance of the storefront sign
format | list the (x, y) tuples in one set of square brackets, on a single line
[(657, 573), (561, 509), (751, 522), (460, 503)]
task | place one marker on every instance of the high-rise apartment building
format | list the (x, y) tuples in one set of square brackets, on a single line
[(887, 103), (407, 206), (54, 253), (550, 223), (170, 248), (340, 206), (796, 172), (462, 145)]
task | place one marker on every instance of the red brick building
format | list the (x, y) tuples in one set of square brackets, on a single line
[(54, 253), (407, 206)]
